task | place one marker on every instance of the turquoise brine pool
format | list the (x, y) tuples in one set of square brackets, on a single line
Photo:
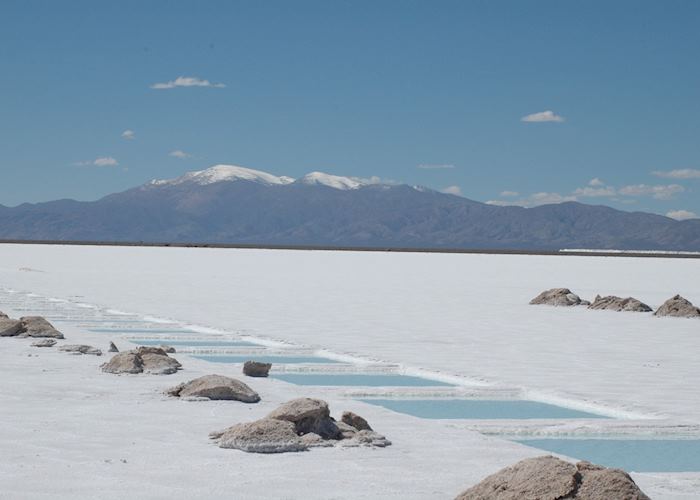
[(632, 455), (141, 330), (93, 321), (360, 380), (264, 359), (478, 409), (195, 343)]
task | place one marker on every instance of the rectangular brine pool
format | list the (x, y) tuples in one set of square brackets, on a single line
[(632, 455), (106, 322), (358, 380), (274, 359), (169, 331), (478, 409), (194, 343)]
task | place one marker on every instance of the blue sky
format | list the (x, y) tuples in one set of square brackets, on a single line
[(430, 93)]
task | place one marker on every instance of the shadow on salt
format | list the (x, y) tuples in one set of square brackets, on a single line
[(633, 455), (486, 409)]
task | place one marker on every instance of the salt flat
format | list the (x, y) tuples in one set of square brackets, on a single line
[(462, 317)]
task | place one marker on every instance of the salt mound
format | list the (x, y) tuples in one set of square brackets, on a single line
[(549, 478), (559, 297)]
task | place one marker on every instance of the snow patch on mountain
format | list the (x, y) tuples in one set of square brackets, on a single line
[(333, 181), (224, 173)]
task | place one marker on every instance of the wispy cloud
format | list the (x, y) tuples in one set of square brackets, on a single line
[(681, 214), (178, 153), (129, 134), (681, 173), (541, 198), (103, 161), (187, 81), (542, 116), (595, 192), (375, 179), (435, 166), (505, 203), (595, 188), (659, 192), (547, 198), (456, 190)]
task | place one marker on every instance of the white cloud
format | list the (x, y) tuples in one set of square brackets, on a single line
[(659, 192), (595, 192), (682, 173), (546, 198), (178, 153), (542, 116), (187, 81), (504, 203), (103, 161), (596, 188), (681, 214), (456, 190), (375, 179), (435, 166), (541, 198), (129, 134)]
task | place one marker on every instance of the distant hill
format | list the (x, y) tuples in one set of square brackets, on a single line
[(228, 204)]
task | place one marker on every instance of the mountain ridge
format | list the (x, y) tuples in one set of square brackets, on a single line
[(239, 205)]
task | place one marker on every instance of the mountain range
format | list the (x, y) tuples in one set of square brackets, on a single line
[(230, 204)]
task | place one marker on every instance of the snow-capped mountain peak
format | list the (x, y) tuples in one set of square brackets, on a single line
[(333, 181), (224, 173), (230, 173)]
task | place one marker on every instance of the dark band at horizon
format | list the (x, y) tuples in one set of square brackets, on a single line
[(253, 246)]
